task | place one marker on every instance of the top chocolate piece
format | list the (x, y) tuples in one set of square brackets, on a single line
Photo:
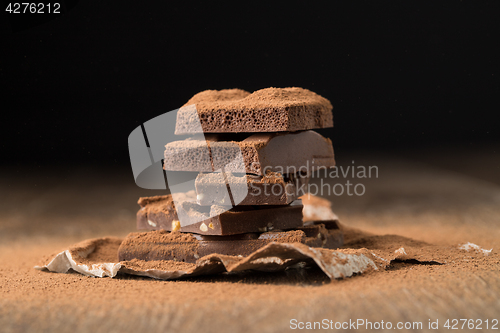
[(265, 110)]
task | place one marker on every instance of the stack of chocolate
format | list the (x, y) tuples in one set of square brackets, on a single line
[(253, 155)]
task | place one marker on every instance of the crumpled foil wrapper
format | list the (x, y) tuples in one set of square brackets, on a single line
[(98, 258), (272, 257), (362, 252)]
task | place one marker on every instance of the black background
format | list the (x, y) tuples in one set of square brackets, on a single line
[(401, 75)]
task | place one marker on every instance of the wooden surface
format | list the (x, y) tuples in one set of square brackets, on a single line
[(428, 198)]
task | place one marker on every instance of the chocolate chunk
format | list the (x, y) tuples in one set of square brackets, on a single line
[(327, 234), (329, 224), (162, 213), (191, 154), (187, 247), (265, 110), (271, 189), (284, 153), (317, 209)]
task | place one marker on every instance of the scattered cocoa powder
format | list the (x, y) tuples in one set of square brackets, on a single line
[(265, 98), (164, 265)]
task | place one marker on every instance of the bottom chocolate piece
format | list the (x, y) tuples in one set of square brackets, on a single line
[(188, 247)]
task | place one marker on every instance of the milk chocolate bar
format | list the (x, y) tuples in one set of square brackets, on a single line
[(259, 153), (161, 212), (187, 247), (265, 110), (246, 189)]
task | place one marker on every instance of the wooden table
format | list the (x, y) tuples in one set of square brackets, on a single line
[(441, 200)]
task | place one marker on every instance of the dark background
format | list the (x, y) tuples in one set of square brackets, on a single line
[(401, 75)]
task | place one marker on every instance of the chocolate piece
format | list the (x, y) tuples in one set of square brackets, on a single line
[(329, 224), (164, 245), (317, 209), (284, 153), (191, 154), (271, 189), (265, 110), (329, 234), (160, 212)]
